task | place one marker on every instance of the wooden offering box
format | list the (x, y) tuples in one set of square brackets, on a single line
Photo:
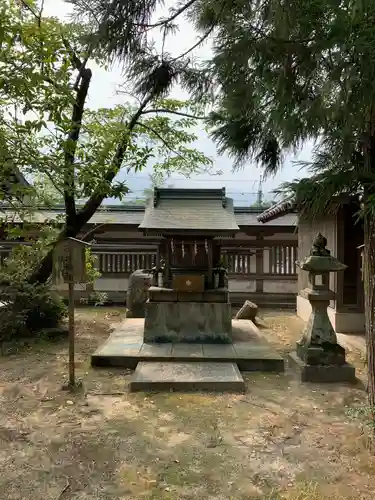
[(188, 283)]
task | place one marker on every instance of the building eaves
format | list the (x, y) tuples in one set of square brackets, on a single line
[(132, 215), (280, 209)]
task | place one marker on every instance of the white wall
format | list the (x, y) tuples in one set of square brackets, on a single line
[(345, 322), (241, 285), (111, 284), (280, 286)]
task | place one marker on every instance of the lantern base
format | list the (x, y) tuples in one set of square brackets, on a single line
[(322, 373), (325, 354)]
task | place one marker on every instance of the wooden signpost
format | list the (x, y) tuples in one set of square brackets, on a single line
[(69, 266)]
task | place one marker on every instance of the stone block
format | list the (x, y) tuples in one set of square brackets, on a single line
[(322, 373), (156, 350), (248, 311), (252, 357), (190, 297), (183, 350), (185, 376), (156, 294), (215, 296), (188, 322), (136, 295), (221, 351)]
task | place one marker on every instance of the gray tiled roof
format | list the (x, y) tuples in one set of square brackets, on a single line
[(281, 209), (190, 214), (245, 218), (134, 215), (105, 215)]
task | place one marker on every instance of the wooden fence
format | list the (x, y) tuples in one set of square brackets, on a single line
[(272, 260), (124, 261), (269, 260), (257, 273)]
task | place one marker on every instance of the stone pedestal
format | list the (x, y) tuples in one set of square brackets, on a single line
[(318, 345), (188, 322), (318, 356), (322, 373)]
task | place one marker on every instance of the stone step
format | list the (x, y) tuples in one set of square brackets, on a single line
[(187, 376)]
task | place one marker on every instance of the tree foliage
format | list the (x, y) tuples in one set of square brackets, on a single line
[(122, 30), (46, 127), (304, 69), (290, 71)]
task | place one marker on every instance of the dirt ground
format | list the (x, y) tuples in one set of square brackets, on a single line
[(282, 440)]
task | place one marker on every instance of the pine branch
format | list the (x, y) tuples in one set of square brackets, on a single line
[(178, 12), (204, 36), (90, 10), (179, 113), (30, 9), (197, 44)]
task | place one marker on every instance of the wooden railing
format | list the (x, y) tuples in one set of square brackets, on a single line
[(245, 262), (239, 261), (269, 260), (282, 259), (125, 261)]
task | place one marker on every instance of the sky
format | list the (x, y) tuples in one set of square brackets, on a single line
[(242, 185)]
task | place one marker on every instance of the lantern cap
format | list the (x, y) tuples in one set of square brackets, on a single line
[(320, 259)]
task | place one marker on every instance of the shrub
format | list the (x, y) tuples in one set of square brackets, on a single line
[(27, 308), (95, 297)]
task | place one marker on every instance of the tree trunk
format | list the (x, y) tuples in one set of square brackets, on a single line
[(42, 274), (369, 280), (369, 292), (71, 142), (71, 230)]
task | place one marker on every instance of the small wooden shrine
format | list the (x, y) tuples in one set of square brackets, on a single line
[(189, 300)]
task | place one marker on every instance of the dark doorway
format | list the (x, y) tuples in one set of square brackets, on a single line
[(353, 238)]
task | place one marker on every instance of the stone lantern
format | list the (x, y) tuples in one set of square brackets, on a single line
[(318, 355)]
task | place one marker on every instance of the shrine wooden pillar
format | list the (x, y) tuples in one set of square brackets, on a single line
[(167, 263), (210, 263), (259, 253), (216, 252)]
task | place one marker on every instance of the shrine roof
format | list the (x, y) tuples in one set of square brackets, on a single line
[(280, 209), (191, 210), (288, 207), (132, 215)]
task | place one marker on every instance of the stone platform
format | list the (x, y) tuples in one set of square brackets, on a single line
[(125, 348), (183, 316), (172, 376), (322, 373)]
